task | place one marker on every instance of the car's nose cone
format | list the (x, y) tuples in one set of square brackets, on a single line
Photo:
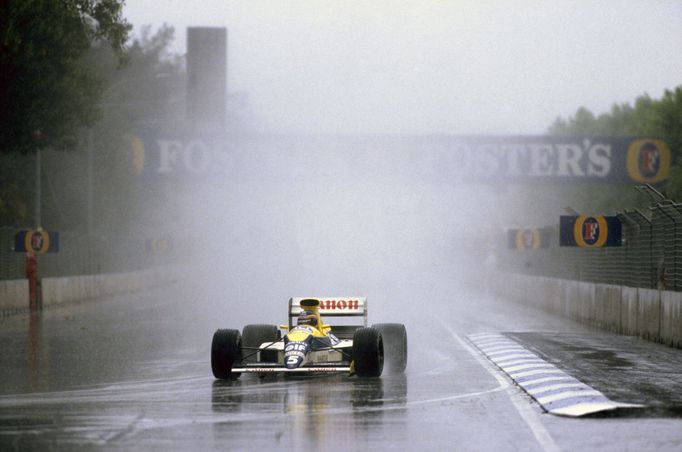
[(294, 354)]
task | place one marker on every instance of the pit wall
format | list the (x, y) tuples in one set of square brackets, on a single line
[(57, 291), (654, 315)]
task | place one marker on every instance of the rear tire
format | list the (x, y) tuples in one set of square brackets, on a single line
[(394, 336), (368, 352), (253, 336), (225, 352)]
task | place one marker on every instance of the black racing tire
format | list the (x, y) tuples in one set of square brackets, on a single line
[(368, 352), (394, 336), (253, 336), (226, 351)]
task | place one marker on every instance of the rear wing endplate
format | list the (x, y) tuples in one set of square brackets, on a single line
[(332, 307)]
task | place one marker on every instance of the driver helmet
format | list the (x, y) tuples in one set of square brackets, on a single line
[(307, 318)]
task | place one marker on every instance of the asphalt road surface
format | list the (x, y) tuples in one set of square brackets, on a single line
[(133, 373)]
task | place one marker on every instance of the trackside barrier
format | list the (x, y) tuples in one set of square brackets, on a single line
[(56, 291), (671, 317), (651, 314), (648, 314), (650, 255), (13, 295), (609, 311)]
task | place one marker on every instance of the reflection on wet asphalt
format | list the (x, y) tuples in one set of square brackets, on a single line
[(125, 375), (133, 373), (116, 415), (310, 395), (307, 409)]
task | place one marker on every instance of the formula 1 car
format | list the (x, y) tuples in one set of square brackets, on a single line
[(311, 346)]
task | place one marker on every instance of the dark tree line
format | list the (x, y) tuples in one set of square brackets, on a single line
[(72, 79), (47, 90), (646, 117)]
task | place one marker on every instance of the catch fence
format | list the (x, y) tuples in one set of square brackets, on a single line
[(83, 254), (650, 255)]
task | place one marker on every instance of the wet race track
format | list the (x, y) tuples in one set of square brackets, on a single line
[(133, 373)]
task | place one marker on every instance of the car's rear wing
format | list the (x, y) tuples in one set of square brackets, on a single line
[(332, 307)]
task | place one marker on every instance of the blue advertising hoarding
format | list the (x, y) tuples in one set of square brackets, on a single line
[(587, 231), (36, 241)]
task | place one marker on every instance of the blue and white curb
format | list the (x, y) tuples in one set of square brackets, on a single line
[(555, 390)]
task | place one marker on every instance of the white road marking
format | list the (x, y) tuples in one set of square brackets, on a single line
[(550, 379), (516, 362), (538, 377), (503, 347), (569, 395), (517, 356), (535, 365), (503, 350), (528, 414), (547, 370), (547, 388)]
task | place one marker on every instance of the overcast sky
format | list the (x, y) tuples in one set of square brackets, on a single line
[(500, 67)]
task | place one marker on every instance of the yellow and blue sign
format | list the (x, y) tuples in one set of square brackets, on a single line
[(528, 238), (648, 161), (159, 245), (590, 231), (36, 241)]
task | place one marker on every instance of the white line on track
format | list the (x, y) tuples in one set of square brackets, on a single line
[(582, 399), (548, 388), (569, 395), (517, 356), (525, 410)]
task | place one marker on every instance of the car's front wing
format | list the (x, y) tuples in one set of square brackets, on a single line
[(261, 368)]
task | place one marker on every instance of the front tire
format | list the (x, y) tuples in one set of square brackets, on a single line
[(394, 336), (368, 352), (253, 336), (225, 352)]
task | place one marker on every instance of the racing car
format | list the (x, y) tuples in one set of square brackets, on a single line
[(311, 346)]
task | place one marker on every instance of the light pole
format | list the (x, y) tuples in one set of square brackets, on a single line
[(90, 188), (38, 189)]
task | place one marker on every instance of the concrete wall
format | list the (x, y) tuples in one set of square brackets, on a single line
[(651, 314), (13, 295), (56, 291)]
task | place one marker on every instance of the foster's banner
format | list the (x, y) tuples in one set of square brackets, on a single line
[(528, 238), (36, 241), (427, 158), (587, 231)]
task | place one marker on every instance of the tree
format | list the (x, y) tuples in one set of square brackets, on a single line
[(647, 117), (670, 117), (46, 89), (145, 94)]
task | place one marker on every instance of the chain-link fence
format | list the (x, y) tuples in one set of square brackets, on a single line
[(650, 255)]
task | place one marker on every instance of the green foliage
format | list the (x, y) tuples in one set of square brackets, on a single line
[(13, 208), (642, 119), (46, 89), (145, 92), (647, 117), (140, 93)]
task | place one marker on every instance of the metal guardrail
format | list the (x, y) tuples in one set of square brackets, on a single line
[(650, 257)]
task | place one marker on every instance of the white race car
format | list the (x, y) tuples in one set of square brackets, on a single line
[(310, 345)]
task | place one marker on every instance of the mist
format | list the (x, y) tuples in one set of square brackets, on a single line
[(332, 217), (322, 209), (464, 67)]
